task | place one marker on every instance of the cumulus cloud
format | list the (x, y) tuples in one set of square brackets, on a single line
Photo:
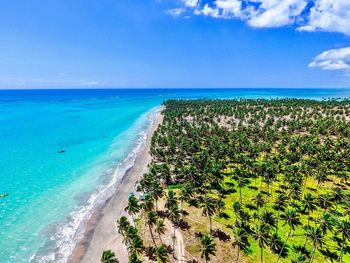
[(306, 15), (276, 13), (334, 59), (329, 15)]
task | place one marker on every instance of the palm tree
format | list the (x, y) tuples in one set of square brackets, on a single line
[(236, 209), (241, 241), (160, 228), (343, 228), (129, 234), (151, 221), (137, 244), (109, 257), (241, 183), (280, 205), (157, 191), (295, 191), (326, 222), (321, 177), (134, 258), (208, 247), (267, 219), (162, 254), (316, 236), (174, 215), (337, 195), (261, 234), (259, 200), (275, 243), (290, 218), (209, 206), (133, 207), (193, 146), (325, 202), (309, 203), (184, 195), (171, 199), (148, 204), (122, 224)]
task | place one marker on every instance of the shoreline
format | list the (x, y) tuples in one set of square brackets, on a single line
[(100, 232)]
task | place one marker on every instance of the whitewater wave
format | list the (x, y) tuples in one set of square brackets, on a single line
[(68, 233)]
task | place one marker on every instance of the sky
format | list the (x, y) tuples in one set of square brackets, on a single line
[(174, 44)]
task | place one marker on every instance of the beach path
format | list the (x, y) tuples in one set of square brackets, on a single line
[(179, 243)]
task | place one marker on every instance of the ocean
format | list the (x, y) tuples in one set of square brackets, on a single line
[(62, 153)]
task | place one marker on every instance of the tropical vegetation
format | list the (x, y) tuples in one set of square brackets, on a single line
[(268, 177)]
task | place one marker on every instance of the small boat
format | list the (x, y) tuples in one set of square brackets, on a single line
[(61, 151), (3, 195)]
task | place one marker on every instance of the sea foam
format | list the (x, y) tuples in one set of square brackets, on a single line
[(67, 234)]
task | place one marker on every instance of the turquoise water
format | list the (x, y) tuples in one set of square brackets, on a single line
[(51, 193)]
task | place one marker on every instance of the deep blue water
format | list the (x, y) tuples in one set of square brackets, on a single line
[(51, 194)]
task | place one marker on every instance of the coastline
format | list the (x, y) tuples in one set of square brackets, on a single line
[(100, 232)]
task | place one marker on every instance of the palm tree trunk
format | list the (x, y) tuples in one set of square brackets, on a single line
[(308, 225), (210, 224), (267, 196), (304, 186), (133, 219), (341, 253), (237, 260), (181, 207), (261, 255), (150, 230), (160, 238), (279, 255), (240, 195), (313, 254), (174, 243)]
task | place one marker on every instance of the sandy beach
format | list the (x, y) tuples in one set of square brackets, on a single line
[(100, 230)]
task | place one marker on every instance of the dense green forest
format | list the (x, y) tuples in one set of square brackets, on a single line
[(246, 180)]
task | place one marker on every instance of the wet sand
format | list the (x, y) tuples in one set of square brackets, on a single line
[(100, 230)]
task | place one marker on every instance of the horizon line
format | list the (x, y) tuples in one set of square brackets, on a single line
[(160, 88)]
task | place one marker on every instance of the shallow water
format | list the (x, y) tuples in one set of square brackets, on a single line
[(51, 193)]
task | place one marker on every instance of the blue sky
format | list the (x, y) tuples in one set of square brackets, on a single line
[(174, 43)]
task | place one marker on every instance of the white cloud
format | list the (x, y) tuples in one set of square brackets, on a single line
[(334, 59), (229, 7), (306, 15), (176, 11), (221, 9), (190, 3), (276, 13), (208, 11), (257, 13), (329, 15)]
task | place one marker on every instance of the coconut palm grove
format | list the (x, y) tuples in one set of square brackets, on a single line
[(247, 180)]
